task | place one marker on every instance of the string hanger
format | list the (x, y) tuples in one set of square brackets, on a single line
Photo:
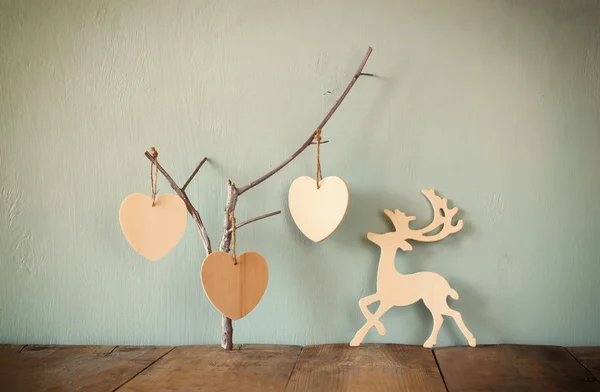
[(318, 176), (232, 220), (153, 174)]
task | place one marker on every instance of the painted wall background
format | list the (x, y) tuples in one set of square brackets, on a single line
[(495, 104)]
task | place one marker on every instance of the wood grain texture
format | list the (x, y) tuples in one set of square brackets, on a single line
[(387, 367), (72, 368), (153, 231), (513, 368), (588, 357), (234, 289), (318, 212), (262, 368)]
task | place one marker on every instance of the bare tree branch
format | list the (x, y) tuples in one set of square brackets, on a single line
[(255, 219), (308, 142), (193, 212), (194, 173), (232, 198), (233, 193)]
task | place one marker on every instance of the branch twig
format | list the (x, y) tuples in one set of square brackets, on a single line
[(308, 142), (194, 173), (257, 218), (181, 193)]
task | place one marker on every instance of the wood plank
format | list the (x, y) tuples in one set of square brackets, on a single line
[(72, 368), (589, 357), (513, 368), (370, 367), (11, 348), (210, 368)]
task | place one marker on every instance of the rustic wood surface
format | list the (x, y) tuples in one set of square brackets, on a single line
[(72, 368), (381, 367), (588, 357), (331, 367), (261, 368), (513, 368)]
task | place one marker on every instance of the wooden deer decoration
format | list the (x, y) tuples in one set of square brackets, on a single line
[(396, 289)]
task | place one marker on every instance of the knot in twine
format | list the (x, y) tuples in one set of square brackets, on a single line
[(153, 175), (318, 176), (232, 220)]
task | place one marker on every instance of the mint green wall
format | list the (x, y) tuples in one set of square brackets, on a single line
[(496, 104)]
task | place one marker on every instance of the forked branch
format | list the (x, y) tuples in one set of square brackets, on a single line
[(233, 192), (181, 193)]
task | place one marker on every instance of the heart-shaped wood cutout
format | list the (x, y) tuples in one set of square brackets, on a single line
[(153, 231), (318, 212), (234, 289)]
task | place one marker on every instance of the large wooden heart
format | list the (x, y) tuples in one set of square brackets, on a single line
[(153, 231), (234, 289), (318, 212)]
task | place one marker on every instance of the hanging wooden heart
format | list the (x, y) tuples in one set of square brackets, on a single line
[(153, 231), (318, 212), (234, 289)]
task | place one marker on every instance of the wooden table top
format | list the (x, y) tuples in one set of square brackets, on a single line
[(329, 367)]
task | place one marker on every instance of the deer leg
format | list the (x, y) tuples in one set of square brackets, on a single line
[(438, 320), (360, 335), (461, 325), (366, 301)]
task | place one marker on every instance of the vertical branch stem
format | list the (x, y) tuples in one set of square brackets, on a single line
[(232, 198)]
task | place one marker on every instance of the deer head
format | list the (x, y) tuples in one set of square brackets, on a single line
[(442, 217)]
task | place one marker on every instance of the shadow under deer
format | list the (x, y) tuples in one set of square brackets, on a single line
[(396, 289)]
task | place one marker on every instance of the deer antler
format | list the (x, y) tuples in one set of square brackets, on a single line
[(442, 216)]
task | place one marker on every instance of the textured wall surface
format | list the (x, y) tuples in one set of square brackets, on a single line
[(495, 104)]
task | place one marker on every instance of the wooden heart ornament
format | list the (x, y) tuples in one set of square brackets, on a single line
[(153, 231), (318, 212), (234, 289)]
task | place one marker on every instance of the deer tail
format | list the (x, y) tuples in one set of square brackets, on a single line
[(453, 294)]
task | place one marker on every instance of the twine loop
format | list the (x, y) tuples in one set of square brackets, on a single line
[(232, 221), (318, 176), (153, 174)]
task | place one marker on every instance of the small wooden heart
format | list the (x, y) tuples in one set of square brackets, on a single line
[(318, 212), (153, 231), (234, 289)]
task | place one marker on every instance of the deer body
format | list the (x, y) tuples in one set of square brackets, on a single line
[(396, 289)]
